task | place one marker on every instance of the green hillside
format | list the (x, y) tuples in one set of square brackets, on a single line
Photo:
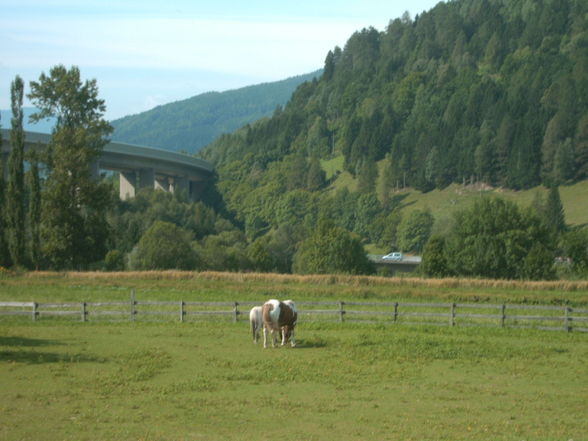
[(470, 96), (443, 202), (191, 124)]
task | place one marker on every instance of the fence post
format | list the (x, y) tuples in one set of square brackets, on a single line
[(133, 305), (395, 312), (503, 315), (341, 311), (34, 311), (84, 312), (452, 319), (182, 312), (236, 312), (567, 319)]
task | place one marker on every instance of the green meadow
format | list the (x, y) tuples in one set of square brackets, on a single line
[(61, 379), (443, 203)]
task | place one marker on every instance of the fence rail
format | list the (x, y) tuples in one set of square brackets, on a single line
[(546, 317)]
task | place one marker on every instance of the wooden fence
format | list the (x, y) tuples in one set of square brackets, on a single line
[(546, 317)]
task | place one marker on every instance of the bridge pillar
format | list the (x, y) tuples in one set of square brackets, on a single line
[(128, 184)]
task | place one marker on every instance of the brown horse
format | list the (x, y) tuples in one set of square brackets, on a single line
[(279, 316)]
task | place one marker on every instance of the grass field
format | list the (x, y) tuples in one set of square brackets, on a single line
[(66, 380)]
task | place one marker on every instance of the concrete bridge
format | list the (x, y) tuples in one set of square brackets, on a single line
[(138, 166)]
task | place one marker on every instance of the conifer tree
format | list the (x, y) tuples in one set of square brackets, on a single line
[(554, 212), (14, 207), (316, 177)]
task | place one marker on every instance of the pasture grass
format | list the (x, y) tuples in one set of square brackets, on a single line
[(216, 286), (61, 379), (191, 381)]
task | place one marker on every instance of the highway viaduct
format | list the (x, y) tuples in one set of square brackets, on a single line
[(138, 166)]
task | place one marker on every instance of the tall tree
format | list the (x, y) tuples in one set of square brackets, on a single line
[(330, 249), (554, 212), (34, 212), (414, 230), (434, 258), (15, 191), (4, 256), (316, 177), (74, 230)]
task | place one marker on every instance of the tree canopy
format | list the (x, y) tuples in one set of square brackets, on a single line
[(74, 230)]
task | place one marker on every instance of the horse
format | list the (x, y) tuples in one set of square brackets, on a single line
[(256, 322), (279, 316)]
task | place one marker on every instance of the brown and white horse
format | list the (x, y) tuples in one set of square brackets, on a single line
[(256, 322), (279, 316)]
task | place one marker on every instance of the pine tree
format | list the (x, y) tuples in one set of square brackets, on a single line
[(329, 69), (367, 176), (554, 212), (15, 208), (316, 176)]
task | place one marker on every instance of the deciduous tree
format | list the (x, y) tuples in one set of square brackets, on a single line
[(164, 246), (329, 250), (74, 230)]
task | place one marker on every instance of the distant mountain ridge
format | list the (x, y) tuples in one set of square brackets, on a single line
[(44, 126), (191, 124)]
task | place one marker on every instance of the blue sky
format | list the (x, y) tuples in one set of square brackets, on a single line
[(145, 53)]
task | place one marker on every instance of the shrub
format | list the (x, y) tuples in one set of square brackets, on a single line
[(330, 250), (114, 261), (164, 246)]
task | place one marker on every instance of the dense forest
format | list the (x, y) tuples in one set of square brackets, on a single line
[(190, 124), (492, 91)]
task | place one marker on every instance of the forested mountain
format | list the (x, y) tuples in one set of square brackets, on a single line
[(492, 91), (191, 124)]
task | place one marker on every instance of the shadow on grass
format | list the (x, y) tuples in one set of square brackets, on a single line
[(310, 343), (20, 352), (26, 342)]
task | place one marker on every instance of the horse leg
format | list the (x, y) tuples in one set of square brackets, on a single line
[(265, 337), (254, 331), (274, 338), (284, 332), (292, 339)]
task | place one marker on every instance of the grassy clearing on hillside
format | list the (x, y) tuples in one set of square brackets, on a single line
[(196, 381), (444, 202)]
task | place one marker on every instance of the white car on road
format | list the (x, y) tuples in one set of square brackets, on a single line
[(393, 256)]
